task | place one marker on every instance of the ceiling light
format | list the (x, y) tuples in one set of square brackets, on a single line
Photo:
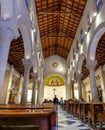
[(95, 14), (86, 33), (4, 18), (33, 30), (19, 16)]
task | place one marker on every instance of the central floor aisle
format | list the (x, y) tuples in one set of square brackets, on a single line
[(68, 122)]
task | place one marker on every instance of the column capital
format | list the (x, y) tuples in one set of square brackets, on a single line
[(35, 75), (8, 28), (91, 64), (27, 63), (79, 75)]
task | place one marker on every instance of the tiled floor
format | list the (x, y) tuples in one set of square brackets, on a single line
[(68, 122)]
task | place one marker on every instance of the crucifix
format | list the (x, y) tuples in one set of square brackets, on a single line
[(54, 90)]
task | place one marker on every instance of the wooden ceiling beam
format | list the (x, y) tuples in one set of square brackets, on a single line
[(67, 37), (58, 13), (46, 49)]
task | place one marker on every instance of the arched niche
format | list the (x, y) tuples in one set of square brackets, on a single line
[(26, 41), (54, 84)]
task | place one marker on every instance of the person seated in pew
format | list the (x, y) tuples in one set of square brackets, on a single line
[(45, 101), (82, 100)]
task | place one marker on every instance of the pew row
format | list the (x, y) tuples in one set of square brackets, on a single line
[(101, 117), (36, 119)]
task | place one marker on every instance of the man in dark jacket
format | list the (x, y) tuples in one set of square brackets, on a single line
[(55, 100)]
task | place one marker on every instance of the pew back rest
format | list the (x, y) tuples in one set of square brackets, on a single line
[(19, 127)]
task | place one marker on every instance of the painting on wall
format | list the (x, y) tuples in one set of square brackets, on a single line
[(54, 80)]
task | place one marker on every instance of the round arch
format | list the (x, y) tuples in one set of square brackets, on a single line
[(56, 74), (94, 41), (26, 38)]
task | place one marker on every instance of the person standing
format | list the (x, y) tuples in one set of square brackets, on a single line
[(61, 104), (55, 100)]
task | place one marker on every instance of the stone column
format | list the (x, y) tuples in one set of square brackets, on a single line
[(20, 90), (9, 84), (38, 90), (6, 8), (103, 82), (33, 99), (67, 88), (72, 88), (8, 31), (41, 93), (27, 67), (79, 75), (91, 66)]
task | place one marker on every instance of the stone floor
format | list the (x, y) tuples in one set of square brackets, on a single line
[(68, 122)]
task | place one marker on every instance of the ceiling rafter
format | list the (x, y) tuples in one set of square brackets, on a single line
[(46, 49), (67, 37), (58, 13)]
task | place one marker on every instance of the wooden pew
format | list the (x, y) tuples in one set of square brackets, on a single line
[(21, 127), (41, 119), (75, 107), (95, 108), (84, 111), (66, 105), (101, 117), (79, 110), (28, 106), (71, 107)]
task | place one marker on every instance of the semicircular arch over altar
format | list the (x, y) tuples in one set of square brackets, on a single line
[(54, 80)]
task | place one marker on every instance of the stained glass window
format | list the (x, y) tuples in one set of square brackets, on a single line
[(27, 4), (99, 4)]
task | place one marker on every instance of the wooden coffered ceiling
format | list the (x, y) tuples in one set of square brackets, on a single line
[(58, 22)]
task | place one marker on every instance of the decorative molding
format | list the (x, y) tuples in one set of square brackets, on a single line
[(27, 63)]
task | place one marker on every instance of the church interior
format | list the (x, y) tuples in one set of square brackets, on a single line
[(52, 49)]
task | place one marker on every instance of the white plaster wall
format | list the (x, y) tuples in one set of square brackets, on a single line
[(61, 68), (49, 93)]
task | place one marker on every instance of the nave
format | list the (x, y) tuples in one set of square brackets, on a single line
[(66, 121)]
